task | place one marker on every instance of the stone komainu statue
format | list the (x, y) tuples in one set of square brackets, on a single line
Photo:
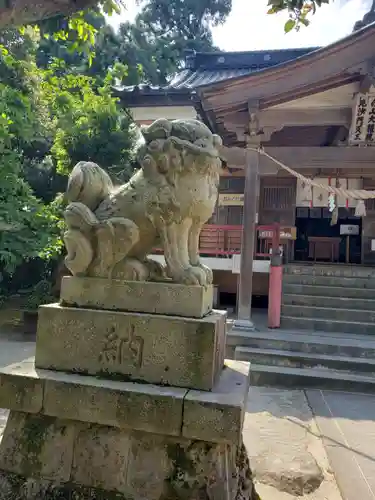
[(111, 230)]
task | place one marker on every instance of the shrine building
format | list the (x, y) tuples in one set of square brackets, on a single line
[(311, 109)]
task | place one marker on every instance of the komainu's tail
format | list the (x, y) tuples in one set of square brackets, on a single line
[(88, 184)]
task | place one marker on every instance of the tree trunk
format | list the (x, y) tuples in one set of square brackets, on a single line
[(20, 12)]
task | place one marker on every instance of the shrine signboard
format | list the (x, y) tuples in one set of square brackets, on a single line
[(231, 199), (363, 124), (286, 233)]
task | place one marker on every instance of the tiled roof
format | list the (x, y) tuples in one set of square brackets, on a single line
[(211, 67), (203, 68), (188, 79)]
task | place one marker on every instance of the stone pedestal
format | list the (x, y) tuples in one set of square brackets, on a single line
[(125, 405), (167, 350), (137, 296)]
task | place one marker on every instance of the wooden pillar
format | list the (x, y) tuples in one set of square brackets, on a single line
[(245, 287)]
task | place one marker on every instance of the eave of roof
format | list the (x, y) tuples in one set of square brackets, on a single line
[(153, 96), (188, 79), (207, 70), (339, 61)]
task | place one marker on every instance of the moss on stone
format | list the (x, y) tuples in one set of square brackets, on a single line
[(16, 487), (33, 436), (181, 462), (120, 377)]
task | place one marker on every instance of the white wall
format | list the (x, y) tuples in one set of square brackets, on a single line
[(231, 264), (146, 113)]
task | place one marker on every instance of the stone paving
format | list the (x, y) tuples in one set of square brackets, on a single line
[(285, 441), (346, 423), (286, 454)]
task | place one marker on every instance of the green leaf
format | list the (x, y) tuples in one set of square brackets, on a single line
[(304, 21), (289, 25)]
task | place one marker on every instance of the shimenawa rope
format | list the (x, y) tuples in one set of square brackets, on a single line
[(356, 194)]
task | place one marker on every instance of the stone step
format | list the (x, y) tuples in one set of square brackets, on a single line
[(326, 343), (327, 325), (328, 291), (327, 270), (305, 279), (278, 376), (326, 301), (275, 357), (329, 313)]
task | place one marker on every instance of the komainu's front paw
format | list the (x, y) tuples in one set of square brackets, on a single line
[(208, 272), (193, 276)]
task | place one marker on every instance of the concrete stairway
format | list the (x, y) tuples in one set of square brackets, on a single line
[(314, 359), (329, 298), (327, 334)]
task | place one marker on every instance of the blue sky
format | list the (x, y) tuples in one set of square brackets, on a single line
[(249, 27)]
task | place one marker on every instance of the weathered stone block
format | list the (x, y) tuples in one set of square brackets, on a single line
[(200, 453), (119, 404), (110, 463), (126, 405), (137, 296), (21, 393), (101, 457), (170, 411), (182, 352), (37, 446), (150, 465), (218, 415)]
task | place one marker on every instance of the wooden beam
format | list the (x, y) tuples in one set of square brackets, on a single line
[(280, 118), (273, 120), (338, 157), (239, 157), (20, 12), (332, 66), (305, 117)]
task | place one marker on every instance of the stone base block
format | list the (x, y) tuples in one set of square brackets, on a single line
[(165, 350), (48, 458), (215, 416), (137, 296)]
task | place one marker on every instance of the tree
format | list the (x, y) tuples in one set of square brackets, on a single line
[(152, 48), (51, 116), (49, 120), (299, 11), (57, 107), (27, 226), (10, 15), (90, 125), (168, 28), (58, 41)]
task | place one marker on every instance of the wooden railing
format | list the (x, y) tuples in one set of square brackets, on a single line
[(225, 241), (220, 240)]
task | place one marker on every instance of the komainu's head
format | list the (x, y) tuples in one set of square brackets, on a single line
[(179, 146)]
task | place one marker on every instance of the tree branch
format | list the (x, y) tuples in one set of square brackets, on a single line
[(21, 12)]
